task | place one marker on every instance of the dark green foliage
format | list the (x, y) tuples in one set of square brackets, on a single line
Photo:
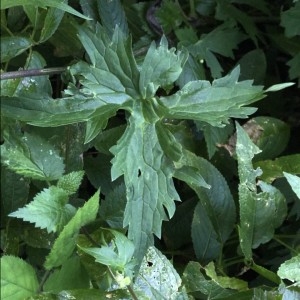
[(161, 107)]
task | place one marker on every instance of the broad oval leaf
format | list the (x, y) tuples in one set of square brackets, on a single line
[(13, 46), (18, 279), (214, 215), (32, 156), (157, 277)]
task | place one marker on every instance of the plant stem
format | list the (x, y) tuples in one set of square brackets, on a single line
[(130, 290), (285, 245), (45, 277), (32, 72)]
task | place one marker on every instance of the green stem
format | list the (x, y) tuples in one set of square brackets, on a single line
[(32, 72), (130, 290), (285, 245), (192, 8), (45, 277)]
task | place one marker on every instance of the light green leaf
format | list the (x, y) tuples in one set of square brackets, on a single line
[(224, 281), (70, 183), (156, 72), (290, 270), (157, 278), (148, 178), (31, 156), (65, 243), (290, 20), (43, 3), (72, 275), (214, 215), (279, 86), (260, 213), (213, 103), (273, 169), (294, 182), (195, 281), (117, 254), (18, 279), (12, 46), (270, 275), (49, 209)]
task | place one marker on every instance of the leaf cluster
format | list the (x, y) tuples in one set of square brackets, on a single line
[(162, 107)]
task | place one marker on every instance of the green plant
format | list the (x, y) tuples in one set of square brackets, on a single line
[(157, 131)]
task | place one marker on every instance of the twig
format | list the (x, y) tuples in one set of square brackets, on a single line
[(32, 72)]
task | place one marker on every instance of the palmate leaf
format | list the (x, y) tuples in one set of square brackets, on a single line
[(47, 210), (117, 254), (158, 72), (213, 103), (108, 85)]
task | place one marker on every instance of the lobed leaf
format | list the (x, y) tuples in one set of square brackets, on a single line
[(49, 209), (148, 179), (64, 245), (161, 67), (117, 254), (19, 284), (213, 103)]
